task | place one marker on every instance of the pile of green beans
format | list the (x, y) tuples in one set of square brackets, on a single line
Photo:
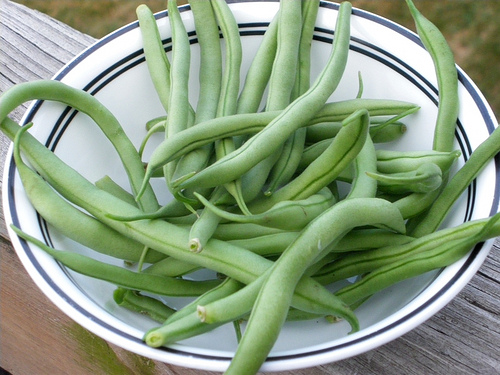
[(255, 169)]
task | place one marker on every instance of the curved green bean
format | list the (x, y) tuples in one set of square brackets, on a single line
[(161, 285), (156, 58), (91, 106), (142, 304), (413, 265), (478, 160), (446, 71), (258, 73), (274, 299), (426, 178), (303, 211), (210, 78)]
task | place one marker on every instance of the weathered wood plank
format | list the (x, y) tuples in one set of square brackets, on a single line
[(32, 46), (462, 338)]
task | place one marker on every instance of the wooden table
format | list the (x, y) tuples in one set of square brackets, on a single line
[(37, 338)]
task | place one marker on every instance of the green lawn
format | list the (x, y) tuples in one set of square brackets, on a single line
[(470, 26)]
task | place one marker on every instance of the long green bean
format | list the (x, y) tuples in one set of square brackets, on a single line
[(290, 155), (210, 77), (478, 160), (147, 282), (88, 104), (446, 71), (413, 265), (270, 309)]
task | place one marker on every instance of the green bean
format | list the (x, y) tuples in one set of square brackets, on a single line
[(210, 77), (365, 163), (234, 306), (266, 245), (172, 210), (356, 240), (231, 76), (444, 63), (342, 151), (379, 131), (74, 187), (76, 224), (217, 308), (426, 178), (213, 312), (321, 263), (309, 14), (85, 103), (363, 239), (188, 324), (290, 155), (478, 160), (250, 97), (284, 69), (234, 231), (228, 100), (178, 115), (234, 188), (270, 308), (296, 115), (150, 124), (185, 327), (375, 107), (413, 265), (107, 184), (288, 161), (303, 211), (361, 262), (145, 305), (224, 289), (156, 58), (156, 128), (256, 178), (161, 285), (257, 76), (389, 161), (171, 267), (415, 204), (205, 225)]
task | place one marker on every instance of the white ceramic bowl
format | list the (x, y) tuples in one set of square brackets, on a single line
[(393, 65)]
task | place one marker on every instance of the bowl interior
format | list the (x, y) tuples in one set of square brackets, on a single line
[(393, 65)]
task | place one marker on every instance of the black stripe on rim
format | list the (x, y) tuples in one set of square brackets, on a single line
[(257, 28)]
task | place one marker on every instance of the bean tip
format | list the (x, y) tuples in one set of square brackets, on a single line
[(195, 245), (154, 339), (201, 311)]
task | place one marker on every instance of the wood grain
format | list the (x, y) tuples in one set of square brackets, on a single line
[(37, 338)]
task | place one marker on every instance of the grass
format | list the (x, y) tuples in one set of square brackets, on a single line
[(470, 26)]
